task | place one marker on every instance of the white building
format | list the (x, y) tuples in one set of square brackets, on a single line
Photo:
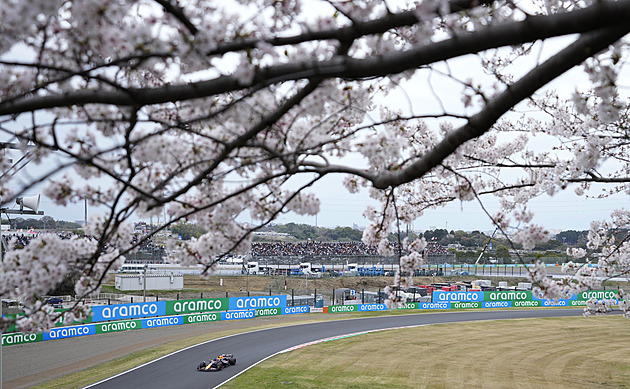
[(154, 281)]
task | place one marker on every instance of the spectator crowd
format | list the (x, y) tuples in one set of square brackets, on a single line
[(434, 248), (311, 248)]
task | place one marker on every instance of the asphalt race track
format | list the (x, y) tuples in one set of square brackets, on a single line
[(179, 369)]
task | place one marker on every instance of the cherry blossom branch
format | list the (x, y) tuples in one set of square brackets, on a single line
[(480, 123), (348, 34), (179, 14), (600, 15), (242, 140)]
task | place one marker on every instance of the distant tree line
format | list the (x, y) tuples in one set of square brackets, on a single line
[(43, 223), (185, 231), (303, 232)]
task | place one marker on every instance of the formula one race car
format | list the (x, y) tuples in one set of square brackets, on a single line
[(227, 358), (218, 363)]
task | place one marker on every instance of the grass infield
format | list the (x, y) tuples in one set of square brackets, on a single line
[(527, 353)]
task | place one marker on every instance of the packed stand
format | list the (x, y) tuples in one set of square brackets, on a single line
[(283, 249), (311, 248), (434, 248)]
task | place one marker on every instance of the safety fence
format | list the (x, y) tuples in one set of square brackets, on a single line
[(124, 317)]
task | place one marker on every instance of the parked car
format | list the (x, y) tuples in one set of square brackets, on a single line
[(56, 302)]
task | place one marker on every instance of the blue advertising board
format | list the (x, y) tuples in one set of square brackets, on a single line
[(434, 305), (128, 311), (70, 332), (294, 310), (372, 307), (256, 302), (557, 303), (440, 296), (237, 315), (163, 321)]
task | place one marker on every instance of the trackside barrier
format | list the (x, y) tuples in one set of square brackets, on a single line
[(163, 321), (197, 305), (340, 308), (383, 307), (128, 311), (268, 312), (70, 332), (520, 295), (209, 310), (296, 310), (202, 317), (434, 305), (439, 296), (466, 305), (137, 310), (372, 307), (256, 302), (426, 306), (58, 323), (116, 326), (19, 338), (101, 313), (124, 317), (237, 315)]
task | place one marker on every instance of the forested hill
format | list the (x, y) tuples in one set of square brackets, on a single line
[(474, 239)]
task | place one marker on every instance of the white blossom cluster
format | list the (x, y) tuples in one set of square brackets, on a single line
[(34, 270)]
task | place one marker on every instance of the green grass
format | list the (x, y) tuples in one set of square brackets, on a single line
[(527, 353)]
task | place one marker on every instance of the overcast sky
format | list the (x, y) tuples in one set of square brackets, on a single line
[(339, 208), (564, 211)]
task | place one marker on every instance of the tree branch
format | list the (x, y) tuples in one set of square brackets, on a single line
[(477, 125), (350, 33), (178, 12), (602, 14)]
